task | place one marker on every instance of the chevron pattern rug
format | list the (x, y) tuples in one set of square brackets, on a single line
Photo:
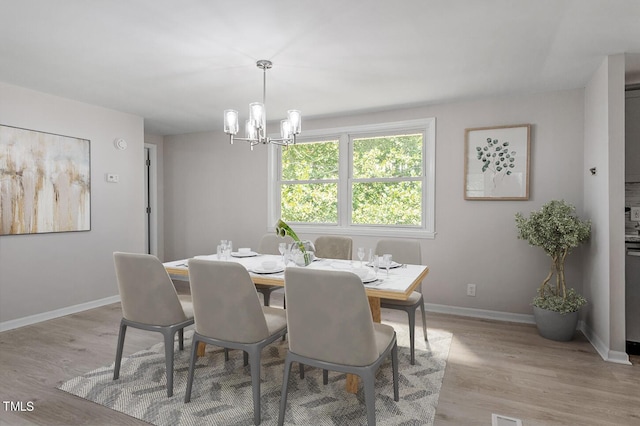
[(221, 392)]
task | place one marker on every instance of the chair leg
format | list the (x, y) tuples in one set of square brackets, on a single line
[(301, 367), (192, 367), (424, 320), (181, 339), (254, 358), (394, 368), (116, 367), (412, 333), (368, 380), (226, 354), (245, 357), (325, 377), (169, 338), (283, 394)]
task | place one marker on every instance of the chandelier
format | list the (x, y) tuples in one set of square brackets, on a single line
[(256, 125)]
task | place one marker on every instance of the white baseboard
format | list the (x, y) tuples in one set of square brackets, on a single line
[(479, 313), (602, 349), (33, 319)]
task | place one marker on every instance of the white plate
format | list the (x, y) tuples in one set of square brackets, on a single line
[(261, 270), (393, 265), (369, 279), (243, 254)]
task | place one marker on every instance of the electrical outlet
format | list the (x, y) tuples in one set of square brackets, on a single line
[(471, 289), (635, 214), (113, 178)]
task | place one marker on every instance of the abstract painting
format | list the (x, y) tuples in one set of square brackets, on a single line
[(45, 182), (497, 163)]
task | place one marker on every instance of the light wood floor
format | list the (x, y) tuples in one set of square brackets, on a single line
[(493, 367)]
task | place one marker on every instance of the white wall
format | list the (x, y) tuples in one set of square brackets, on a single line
[(604, 202), (40, 273), (214, 190)]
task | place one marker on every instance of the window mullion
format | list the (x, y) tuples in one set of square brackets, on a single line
[(344, 184)]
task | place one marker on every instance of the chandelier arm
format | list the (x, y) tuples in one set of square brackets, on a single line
[(246, 139)]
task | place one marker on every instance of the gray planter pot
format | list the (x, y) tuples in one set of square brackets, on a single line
[(555, 326)]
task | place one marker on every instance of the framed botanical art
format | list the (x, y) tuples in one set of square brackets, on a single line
[(45, 182), (496, 163)]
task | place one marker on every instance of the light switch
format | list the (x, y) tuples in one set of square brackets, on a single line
[(113, 178), (635, 214)]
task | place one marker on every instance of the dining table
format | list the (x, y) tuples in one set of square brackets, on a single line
[(396, 282)]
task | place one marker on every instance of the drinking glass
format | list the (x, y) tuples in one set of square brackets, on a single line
[(282, 248), (386, 261), (361, 255), (373, 261)]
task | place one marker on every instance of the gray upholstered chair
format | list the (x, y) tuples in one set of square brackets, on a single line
[(334, 247), (269, 244), (150, 302), (330, 327), (405, 251), (219, 289)]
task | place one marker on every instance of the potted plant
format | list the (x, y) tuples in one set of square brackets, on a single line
[(557, 230)]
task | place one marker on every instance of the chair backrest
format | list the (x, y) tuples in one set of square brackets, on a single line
[(328, 317), (402, 251), (269, 243), (334, 247), (225, 302), (146, 291)]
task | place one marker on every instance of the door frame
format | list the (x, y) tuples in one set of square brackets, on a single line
[(152, 190)]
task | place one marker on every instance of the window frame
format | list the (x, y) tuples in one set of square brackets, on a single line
[(345, 180)]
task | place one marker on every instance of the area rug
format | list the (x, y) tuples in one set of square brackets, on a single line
[(221, 392)]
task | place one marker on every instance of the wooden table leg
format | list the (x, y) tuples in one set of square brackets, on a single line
[(352, 379), (201, 348), (374, 304)]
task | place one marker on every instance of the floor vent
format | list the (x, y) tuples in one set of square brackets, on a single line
[(500, 420)]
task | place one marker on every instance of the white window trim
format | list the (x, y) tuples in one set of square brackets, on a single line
[(427, 230)]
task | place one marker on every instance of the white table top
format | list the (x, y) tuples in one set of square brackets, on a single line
[(398, 284)]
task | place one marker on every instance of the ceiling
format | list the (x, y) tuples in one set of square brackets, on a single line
[(180, 64)]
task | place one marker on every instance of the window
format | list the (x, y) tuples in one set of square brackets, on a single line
[(367, 180)]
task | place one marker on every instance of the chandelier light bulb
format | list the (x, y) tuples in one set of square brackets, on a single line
[(295, 119), (251, 131), (230, 121), (285, 129)]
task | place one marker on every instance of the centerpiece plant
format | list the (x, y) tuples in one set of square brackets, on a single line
[(282, 229), (557, 230)]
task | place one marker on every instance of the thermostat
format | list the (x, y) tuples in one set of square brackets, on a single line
[(120, 143)]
